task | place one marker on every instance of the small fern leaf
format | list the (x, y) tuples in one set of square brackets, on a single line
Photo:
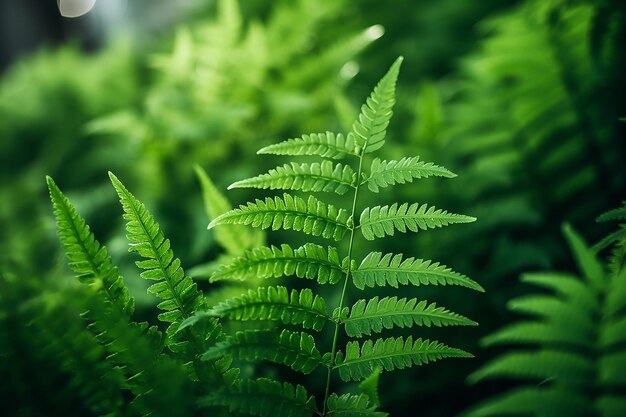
[(386, 173), (380, 221), (535, 401), (275, 303), (326, 145), (294, 349), (390, 269), (559, 365), (87, 257), (370, 128), (234, 239), (393, 353), (312, 216), (352, 406), (324, 176), (369, 386), (309, 261), (375, 315), (614, 214), (264, 398), (179, 293)]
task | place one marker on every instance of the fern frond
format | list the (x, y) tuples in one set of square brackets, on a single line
[(264, 398), (386, 173), (234, 239), (385, 313), (294, 349), (312, 216), (566, 286), (379, 221), (369, 386), (326, 145), (559, 365), (586, 259), (533, 333), (370, 128), (613, 215), (324, 176), (534, 401), (179, 293), (87, 257), (352, 406), (309, 261), (390, 269), (275, 303), (392, 353)]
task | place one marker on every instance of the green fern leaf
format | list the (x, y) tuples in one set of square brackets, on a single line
[(379, 221), (567, 367), (587, 262), (324, 176), (613, 215), (392, 353), (263, 397), (390, 269), (87, 257), (352, 406), (326, 145), (308, 261), (234, 239), (386, 173), (375, 315), (370, 128), (294, 349), (179, 293), (369, 386), (533, 333), (312, 216), (536, 402), (275, 303)]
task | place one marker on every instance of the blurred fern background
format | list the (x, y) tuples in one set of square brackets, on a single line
[(522, 99)]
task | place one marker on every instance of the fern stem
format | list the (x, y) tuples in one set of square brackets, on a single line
[(345, 284)]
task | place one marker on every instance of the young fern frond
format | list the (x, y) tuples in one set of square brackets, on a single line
[(391, 269), (381, 221), (294, 349), (393, 353), (178, 292), (367, 317), (326, 145), (324, 176), (276, 303), (387, 173), (87, 257), (309, 261), (573, 344), (263, 397), (311, 216)]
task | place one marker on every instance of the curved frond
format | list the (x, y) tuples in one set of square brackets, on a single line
[(380, 221), (87, 257), (613, 215), (312, 216), (294, 349), (390, 269), (369, 386), (326, 145), (367, 317), (392, 353), (534, 332), (386, 173), (370, 128), (537, 401), (179, 293), (352, 406), (324, 176), (275, 303), (264, 398), (309, 261)]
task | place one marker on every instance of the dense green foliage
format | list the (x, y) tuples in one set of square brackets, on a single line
[(522, 98), (573, 339)]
